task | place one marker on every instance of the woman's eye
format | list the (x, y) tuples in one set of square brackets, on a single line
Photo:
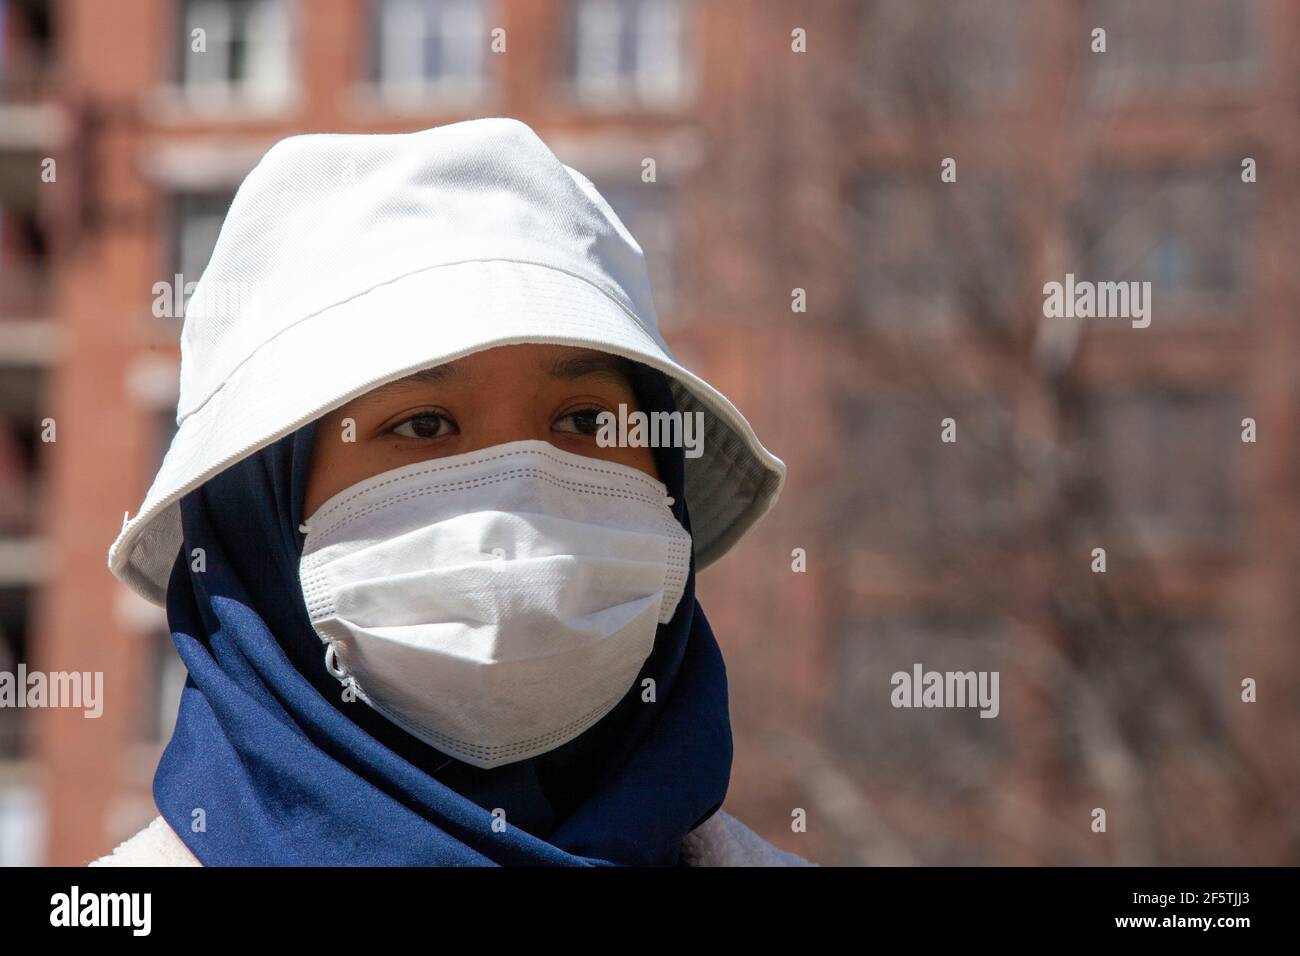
[(583, 421), (424, 425)]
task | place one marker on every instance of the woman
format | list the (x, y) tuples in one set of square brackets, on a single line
[(435, 611)]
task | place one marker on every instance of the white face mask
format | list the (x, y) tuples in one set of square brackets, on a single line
[(494, 604)]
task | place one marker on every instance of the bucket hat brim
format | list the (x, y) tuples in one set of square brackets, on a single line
[(324, 360)]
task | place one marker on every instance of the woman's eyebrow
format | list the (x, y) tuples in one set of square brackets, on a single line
[(425, 376), (616, 368)]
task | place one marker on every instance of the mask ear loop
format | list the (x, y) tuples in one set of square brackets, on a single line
[(332, 664)]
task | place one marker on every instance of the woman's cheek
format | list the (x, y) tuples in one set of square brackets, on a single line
[(639, 458)]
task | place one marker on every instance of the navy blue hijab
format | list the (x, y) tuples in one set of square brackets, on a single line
[(268, 766)]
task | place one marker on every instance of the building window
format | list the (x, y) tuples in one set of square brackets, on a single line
[(1172, 43), (15, 605), (1169, 463), (22, 492), (28, 45), (24, 263), (917, 495), (429, 49), (197, 220), (950, 749), (648, 210), (931, 257), (626, 52), (167, 676), (235, 52), (1153, 672), (941, 56), (163, 432), (1185, 231)]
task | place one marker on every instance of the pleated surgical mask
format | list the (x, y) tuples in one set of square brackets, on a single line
[(498, 603)]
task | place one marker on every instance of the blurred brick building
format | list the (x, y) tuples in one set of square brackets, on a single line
[(775, 171)]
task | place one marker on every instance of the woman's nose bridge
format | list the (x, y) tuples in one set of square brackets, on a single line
[(506, 419)]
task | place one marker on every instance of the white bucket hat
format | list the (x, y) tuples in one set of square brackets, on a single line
[(350, 260)]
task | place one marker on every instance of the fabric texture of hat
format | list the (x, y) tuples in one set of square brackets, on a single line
[(349, 260)]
